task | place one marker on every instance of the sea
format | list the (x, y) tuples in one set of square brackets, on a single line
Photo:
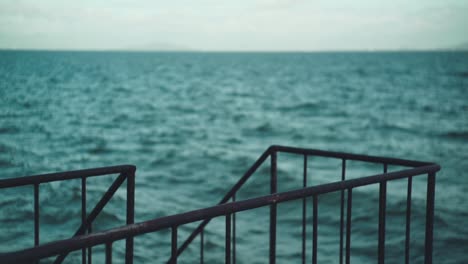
[(194, 122)]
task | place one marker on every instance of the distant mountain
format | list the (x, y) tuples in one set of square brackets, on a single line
[(463, 46), (159, 46)]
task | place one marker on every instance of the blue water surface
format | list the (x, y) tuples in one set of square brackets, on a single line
[(193, 123)]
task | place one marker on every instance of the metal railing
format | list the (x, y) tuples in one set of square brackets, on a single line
[(229, 210), (126, 172), (271, 153)]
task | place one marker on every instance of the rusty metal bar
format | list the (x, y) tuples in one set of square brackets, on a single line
[(108, 253), (174, 245), (348, 225), (350, 156), (382, 211), (67, 175), (304, 212), (343, 176), (130, 215), (90, 249), (202, 242), (83, 214), (36, 214), (234, 233), (273, 189), (408, 219), (429, 217), (314, 229), (227, 243)]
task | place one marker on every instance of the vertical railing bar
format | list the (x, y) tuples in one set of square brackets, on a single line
[(109, 253), (273, 189), (314, 229), (408, 219), (234, 233), (90, 249), (130, 215), (343, 176), (174, 245), (227, 252), (382, 216), (429, 218), (83, 214), (348, 225), (36, 214), (202, 242), (304, 212)]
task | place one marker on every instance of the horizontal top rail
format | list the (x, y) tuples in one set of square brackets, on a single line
[(69, 175), (349, 156), (76, 243)]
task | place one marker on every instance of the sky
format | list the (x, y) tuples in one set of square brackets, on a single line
[(237, 25)]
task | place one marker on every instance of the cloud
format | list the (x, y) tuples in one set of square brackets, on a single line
[(222, 25)]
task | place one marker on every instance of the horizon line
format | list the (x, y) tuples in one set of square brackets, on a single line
[(237, 51)]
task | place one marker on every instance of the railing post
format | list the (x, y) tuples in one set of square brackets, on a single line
[(273, 189), (83, 215), (109, 253), (130, 215), (382, 211), (228, 240), (202, 243), (174, 245), (408, 219), (429, 217), (348, 225), (36, 214), (234, 232), (343, 177), (90, 249), (314, 229), (304, 212)]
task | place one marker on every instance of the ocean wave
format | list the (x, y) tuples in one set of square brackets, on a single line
[(463, 74), (265, 128), (5, 163), (100, 148), (456, 135), (57, 216), (393, 126), (17, 217), (307, 106), (9, 130)]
